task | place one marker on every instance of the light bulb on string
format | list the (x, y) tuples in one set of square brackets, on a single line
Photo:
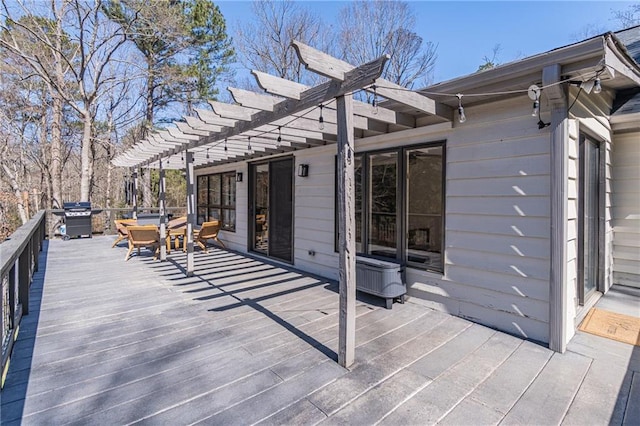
[(207, 153), (461, 116), (321, 119), (249, 143), (279, 135), (225, 144), (536, 108), (374, 103), (597, 87), (181, 156)]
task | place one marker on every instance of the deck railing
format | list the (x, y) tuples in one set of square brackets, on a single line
[(19, 258)]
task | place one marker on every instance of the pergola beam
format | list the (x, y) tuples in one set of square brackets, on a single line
[(362, 110), (326, 65)]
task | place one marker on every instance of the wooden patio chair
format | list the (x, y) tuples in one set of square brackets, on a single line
[(176, 229), (143, 236), (208, 231), (121, 229)]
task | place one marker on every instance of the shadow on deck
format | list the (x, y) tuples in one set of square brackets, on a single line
[(244, 341)]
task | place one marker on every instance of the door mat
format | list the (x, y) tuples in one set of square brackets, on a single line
[(622, 328)]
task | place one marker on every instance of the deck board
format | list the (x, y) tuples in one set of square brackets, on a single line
[(246, 341)]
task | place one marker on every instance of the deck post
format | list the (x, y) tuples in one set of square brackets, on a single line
[(163, 214), (191, 211), (558, 290), (134, 196), (346, 231)]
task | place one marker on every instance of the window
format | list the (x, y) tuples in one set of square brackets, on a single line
[(425, 207), (399, 218), (217, 199), (383, 205)]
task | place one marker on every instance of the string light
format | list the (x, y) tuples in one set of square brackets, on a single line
[(534, 95), (461, 117), (597, 88), (593, 83), (375, 100), (279, 135), (181, 156), (536, 108), (249, 144), (321, 119)]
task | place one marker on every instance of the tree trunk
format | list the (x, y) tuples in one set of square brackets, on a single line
[(86, 165), (15, 187), (145, 179), (45, 159), (56, 120), (56, 151), (109, 153), (145, 176)]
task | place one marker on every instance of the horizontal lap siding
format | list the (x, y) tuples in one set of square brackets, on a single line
[(314, 213), (626, 209), (497, 217), (497, 223)]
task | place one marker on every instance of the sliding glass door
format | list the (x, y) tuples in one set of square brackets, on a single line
[(399, 205), (588, 218), (271, 208)]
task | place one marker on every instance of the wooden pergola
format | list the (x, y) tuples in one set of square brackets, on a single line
[(288, 119)]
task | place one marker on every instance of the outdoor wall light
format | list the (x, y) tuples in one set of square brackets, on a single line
[(239, 177), (303, 170)]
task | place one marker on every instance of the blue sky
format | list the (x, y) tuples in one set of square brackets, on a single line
[(465, 32)]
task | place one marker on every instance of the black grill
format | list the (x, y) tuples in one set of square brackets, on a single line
[(77, 218)]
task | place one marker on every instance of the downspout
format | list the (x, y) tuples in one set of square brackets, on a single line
[(558, 291)]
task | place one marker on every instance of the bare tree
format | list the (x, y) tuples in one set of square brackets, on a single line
[(588, 31), (493, 61), (629, 17), (265, 44), (71, 62), (23, 104), (370, 29)]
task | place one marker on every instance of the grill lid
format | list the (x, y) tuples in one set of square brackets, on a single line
[(77, 206)]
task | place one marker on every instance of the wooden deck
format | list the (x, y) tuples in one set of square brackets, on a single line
[(246, 342)]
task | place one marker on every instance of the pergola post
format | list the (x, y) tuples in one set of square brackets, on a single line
[(191, 211), (134, 196), (346, 227), (163, 213)]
